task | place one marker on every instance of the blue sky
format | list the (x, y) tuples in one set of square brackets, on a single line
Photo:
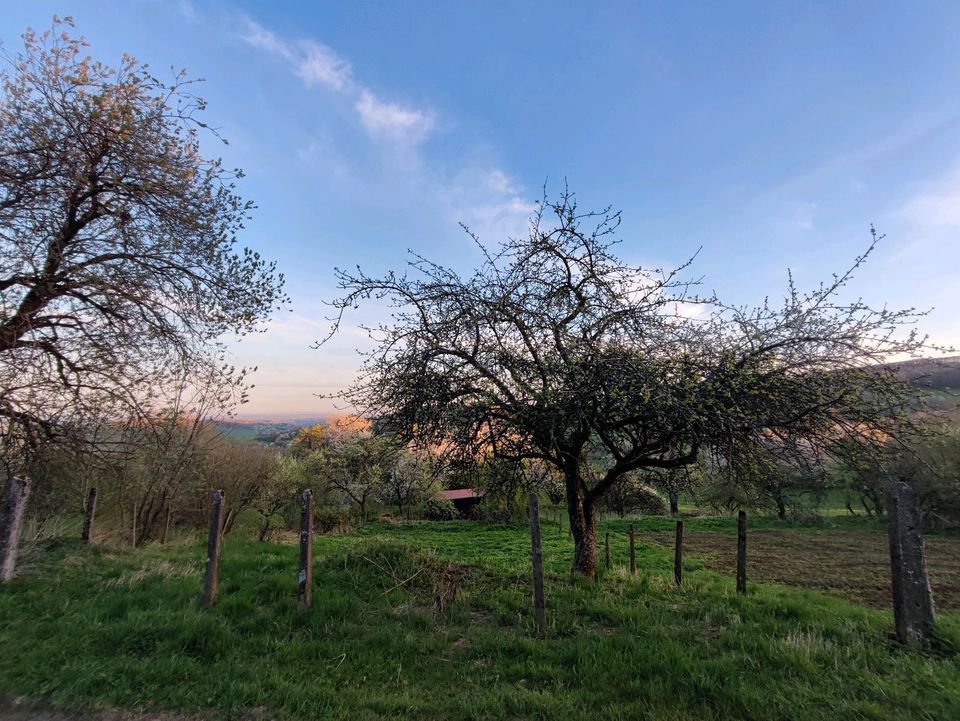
[(770, 133)]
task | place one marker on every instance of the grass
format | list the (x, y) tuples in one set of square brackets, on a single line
[(86, 628)]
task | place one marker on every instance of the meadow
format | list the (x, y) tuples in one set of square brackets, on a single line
[(434, 621)]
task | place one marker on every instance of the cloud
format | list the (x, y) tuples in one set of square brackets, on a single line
[(489, 202), (937, 206), (317, 64), (392, 121), (259, 37), (320, 65)]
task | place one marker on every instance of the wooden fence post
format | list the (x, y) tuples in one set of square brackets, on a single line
[(89, 515), (305, 578), (212, 576), (16, 493), (742, 552), (678, 555), (606, 549), (633, 553), (539, 615), (913, 610)]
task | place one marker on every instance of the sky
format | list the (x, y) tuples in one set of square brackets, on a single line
[(770, 135)]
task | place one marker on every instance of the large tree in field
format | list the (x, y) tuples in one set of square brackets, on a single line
[(555, 349), (119, 269)]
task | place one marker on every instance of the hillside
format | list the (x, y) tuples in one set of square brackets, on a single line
[(930, 374)]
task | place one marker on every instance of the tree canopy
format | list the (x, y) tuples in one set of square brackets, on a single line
[(556, 349)]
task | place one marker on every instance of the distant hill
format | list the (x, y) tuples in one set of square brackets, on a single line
[(931, 374), (268, 433)]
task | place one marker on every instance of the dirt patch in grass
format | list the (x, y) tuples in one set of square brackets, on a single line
[(853, 565)]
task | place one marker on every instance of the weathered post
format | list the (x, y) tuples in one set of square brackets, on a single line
[(742, 552), (912, 601), (560, 523), (305, 578), (88, 515), (211, 578), (678, 555), (539, 614), (16, 493), (606, 549), (633, 553)]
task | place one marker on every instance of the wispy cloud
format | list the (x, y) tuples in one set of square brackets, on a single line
[(392, 121), (937, 206), (489, 202), (319, 65), (258, 36)]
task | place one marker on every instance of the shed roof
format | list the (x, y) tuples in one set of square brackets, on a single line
[(461, 493)]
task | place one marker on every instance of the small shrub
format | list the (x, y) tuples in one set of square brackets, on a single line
[(439, 509), (332, 519)]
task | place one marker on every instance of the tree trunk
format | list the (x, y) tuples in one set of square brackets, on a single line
[(674, 506), (16, 493), (264, 530), (166, 525), (231, 519), (88, 515), (133, 530), (781, 509), (583, 529)]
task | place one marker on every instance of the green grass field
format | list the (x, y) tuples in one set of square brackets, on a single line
[(86, 628)]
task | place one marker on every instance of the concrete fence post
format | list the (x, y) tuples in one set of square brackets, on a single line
[(212, 577), (305, 577), (88, 515), (539, 613), (16, 493), (913, 610)]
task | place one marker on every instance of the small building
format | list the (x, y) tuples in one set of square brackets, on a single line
[(465, 500)]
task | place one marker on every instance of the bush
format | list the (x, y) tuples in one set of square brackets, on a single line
[(439, 509), (630, 495), (327, 519)]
